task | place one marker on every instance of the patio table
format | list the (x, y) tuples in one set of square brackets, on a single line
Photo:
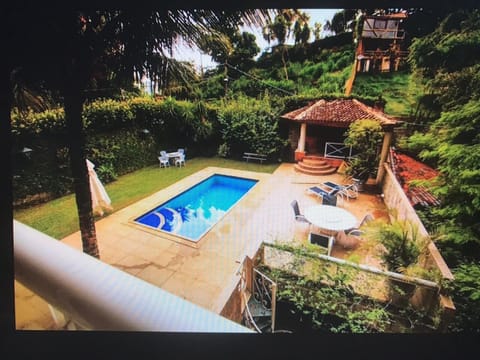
[(173, 155), (330, 218)]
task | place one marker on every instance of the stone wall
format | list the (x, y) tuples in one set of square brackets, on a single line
[(395, 198)]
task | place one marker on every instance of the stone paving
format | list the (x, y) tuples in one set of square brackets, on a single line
[(205, 272)]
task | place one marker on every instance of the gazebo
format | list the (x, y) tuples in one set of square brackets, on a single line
[(319, 128)]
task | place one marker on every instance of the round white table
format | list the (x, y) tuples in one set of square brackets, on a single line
[(330, 218)]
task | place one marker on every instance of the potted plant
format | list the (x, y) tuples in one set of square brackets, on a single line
[(364, 136), (403, 248)]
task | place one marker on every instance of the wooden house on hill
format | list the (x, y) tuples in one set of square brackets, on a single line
[(381, 46)]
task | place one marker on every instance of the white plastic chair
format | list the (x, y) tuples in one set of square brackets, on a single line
[(164, 161), (180, 160)]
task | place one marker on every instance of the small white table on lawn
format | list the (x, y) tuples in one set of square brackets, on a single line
[(330, 218), (173, 155)]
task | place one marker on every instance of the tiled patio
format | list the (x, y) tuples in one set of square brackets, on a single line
[(205, 273)]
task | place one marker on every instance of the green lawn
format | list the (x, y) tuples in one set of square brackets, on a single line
[(58, 218)]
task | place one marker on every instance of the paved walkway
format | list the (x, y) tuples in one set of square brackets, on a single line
[(204, 273)]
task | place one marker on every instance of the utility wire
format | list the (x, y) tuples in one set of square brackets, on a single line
[(257, 79)]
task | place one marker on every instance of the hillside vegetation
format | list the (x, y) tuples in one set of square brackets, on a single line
[(401, 91)]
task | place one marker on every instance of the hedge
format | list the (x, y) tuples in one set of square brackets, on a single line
[(116, 142)]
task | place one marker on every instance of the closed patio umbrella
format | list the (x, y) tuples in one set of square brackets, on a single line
[(100, 199)]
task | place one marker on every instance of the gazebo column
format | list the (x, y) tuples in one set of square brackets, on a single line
[(387, 138), (300, 152)]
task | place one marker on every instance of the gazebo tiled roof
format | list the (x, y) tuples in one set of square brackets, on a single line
[(337, 113)]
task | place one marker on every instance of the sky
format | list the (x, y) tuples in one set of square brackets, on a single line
[(202, 60)]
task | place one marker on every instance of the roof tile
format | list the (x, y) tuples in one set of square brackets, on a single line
[(338, 113)]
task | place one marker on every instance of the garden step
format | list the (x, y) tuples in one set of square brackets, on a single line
[(309, 166), (314, 157), (314, 161), (335, 162), (327, 171)]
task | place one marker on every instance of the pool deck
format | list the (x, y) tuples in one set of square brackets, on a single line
[(205, 272)]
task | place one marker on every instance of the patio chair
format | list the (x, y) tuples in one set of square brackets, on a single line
[(181, 151), (321, 240), (329, 200), (296, 210), (164, 161), (366, 219), (180, 161), (356, 230)]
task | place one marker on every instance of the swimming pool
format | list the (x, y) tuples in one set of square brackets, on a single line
[(193, 212)]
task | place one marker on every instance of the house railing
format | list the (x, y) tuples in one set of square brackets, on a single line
[(337, 150), (265, 292), (384, 53), (97, 296)]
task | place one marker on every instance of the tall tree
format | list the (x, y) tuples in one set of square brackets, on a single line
[(448, 60), (317, 30), (236, 48), (301, 29), (341, 22), (279, 30), (66, 47)]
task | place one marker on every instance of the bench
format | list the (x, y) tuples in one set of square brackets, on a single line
[(247, 156)]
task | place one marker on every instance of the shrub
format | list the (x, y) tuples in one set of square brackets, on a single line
[(250, 125), (107, 115), (364, 136), (120, 152)]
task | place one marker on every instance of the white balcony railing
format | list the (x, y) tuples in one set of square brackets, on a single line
[(97, 296)]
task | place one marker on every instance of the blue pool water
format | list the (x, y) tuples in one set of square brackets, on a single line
[(193, 212)]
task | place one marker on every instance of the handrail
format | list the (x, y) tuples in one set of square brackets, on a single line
[(337, 149), (249, 314), (272, 297), (98, 296), (371, 269)]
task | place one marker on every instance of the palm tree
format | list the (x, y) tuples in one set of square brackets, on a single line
[(278, 30), (65, 48), (281, 27)]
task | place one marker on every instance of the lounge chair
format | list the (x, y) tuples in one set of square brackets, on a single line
[(296, 210), (349, 191), (317, 190), (328, 197), (322, 241)]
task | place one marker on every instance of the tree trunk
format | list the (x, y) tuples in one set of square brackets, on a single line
[(73, 116), (284, 50)]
